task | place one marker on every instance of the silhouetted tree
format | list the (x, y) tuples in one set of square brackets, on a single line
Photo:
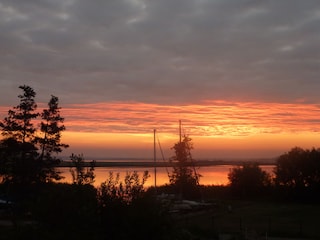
[(80, 173), (248, 179), (18, 149), (184, 177), (299, 170), (25, 157), (51, 128), (18, 124)]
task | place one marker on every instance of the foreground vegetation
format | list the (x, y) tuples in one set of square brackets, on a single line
[(64, 211)]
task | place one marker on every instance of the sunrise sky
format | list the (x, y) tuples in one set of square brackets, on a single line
[(242, 75)]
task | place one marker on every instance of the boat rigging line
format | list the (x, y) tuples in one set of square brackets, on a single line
[(163, 158)]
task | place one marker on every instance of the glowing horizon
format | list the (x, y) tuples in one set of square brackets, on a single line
[(221, 117), (218, 128)]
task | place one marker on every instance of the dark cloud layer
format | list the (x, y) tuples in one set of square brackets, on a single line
[(169, 51)]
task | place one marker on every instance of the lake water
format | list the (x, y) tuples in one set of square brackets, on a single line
[(211, 175)]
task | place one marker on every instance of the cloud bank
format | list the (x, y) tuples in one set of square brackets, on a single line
[(166, 52)]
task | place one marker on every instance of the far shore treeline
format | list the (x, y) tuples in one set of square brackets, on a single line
[(151, 163), (34, 205)]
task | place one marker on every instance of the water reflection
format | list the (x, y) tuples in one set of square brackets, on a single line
[(211, 175)]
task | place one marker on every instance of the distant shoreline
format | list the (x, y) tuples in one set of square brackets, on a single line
[(201, 163)]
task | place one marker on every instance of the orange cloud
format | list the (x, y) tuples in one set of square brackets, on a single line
[(216, 118), (218, 128)]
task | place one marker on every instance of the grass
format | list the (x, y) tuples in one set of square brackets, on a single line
[(257, 218), (238, 218)]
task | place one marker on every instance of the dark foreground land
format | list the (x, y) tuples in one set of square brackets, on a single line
[(254, 220), (68, 217)]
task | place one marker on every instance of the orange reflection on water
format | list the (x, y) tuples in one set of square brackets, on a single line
[(211, 175)]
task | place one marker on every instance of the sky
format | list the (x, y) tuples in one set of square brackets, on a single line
[(241, 75)]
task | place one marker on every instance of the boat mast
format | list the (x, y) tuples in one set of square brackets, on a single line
[(180, 131), (155, 159)]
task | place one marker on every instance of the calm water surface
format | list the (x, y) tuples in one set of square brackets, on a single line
[(211, 175)]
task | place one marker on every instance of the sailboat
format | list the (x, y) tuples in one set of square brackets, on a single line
[(188, 161), (177, 203)]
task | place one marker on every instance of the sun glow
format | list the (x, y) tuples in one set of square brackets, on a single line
[(210, 119), (218, 128)]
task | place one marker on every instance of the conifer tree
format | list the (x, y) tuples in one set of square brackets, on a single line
[(26, 156), (18, 149), (49, 142)]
